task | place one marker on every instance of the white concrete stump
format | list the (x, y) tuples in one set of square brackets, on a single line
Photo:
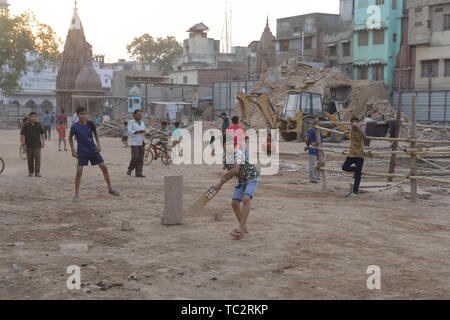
[(173, 201)]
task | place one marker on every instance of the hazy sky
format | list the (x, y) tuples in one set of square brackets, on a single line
[(110, 25)]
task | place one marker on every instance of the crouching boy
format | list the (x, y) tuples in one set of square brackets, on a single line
[(85, 131)]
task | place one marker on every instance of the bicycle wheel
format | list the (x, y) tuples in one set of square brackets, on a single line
[(23, 154), (2, 165), (166, 157), (149, 159)]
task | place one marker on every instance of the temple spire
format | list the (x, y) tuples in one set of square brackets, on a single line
[(76, 22)]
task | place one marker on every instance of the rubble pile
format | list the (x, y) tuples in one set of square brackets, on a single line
[(427, 133), (365, 95), (380, 109)]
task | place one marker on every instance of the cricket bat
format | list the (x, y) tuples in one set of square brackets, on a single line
[(203, 201)]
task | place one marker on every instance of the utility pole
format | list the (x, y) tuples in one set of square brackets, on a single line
[(393, 161)]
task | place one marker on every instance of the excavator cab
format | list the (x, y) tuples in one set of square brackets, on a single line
[(299, 106), (309, 103)]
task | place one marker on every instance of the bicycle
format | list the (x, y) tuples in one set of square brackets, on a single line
[(2, 165), (156, 151)]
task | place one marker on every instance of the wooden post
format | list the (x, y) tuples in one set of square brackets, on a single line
[(321, 162), (413, 155), (173, 195), (393, 161)]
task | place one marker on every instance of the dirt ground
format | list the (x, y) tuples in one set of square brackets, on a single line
[(303, 244)]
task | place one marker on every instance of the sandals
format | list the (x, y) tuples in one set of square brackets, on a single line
[(238, 235), (114, 193)]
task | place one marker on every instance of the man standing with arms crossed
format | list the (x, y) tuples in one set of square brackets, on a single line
[(33, 140), (136, 129), (356, 156)]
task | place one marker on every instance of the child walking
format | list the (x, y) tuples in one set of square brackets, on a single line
[(62, 136), (125, 134), (85, 131)]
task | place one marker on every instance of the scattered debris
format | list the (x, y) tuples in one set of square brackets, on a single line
[(108, 284)]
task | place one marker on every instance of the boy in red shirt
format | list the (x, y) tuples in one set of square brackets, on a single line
[(62, 135), (238, 133)]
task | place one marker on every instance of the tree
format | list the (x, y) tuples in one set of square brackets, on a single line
[(25, 44), (161, 51)]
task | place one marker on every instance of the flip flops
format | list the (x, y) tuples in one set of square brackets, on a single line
[(114, 193), (238, 235)]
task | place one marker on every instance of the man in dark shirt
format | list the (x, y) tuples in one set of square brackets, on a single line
[(85, 131), (33, 140)]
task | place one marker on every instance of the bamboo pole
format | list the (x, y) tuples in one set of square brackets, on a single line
[(413, 162), (394, 185), (321, 162), (429, 162), (445, 142), (433, 173), (379, 174), (403, 124)]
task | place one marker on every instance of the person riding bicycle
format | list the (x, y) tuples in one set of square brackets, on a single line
[(164, 136)]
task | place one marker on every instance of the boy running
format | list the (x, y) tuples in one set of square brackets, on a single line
[(84, 131), (248, 180), (356, 156), (62, 135)]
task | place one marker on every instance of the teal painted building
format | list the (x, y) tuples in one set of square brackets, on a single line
[(377, 27)]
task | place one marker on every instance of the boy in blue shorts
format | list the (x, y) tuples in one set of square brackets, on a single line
[(248, 179), (85, 131)]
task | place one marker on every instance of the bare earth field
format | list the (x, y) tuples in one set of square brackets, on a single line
[(303, 244)]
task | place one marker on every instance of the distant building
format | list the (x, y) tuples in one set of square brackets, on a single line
[(376, 44), (338, 41), (300, 37), (200, 77), (36, 93), (429, 35), (201, 52)]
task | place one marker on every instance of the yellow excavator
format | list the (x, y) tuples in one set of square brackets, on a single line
[(292, 121)]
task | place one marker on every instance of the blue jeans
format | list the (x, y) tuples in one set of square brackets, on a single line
[(48, 132), (245, 189), (357, 169)]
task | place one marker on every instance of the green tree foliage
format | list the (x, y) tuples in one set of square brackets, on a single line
[(25, 44), (161, 51)]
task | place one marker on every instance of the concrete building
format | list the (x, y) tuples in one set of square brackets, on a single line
[(405, 69), (429, 34), (338, 41), (201, 52), (200, 77), (300, 37), (376, 41)]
